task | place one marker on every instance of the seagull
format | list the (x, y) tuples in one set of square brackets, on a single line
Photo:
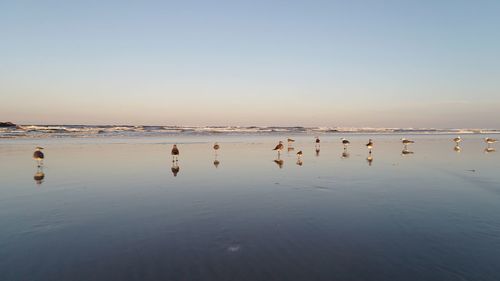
[(369, 145), (216, 147), (38, 155), (490, 140), (406, 141), (345, 142), (299, 154), (175, 153), (457, 140), (279, 147)]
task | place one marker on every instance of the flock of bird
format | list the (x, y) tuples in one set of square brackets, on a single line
[(39, 156)]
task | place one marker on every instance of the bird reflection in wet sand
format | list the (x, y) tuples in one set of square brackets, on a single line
[(39, 175), (369, 159), (406, 152), (216, 163), (317, 151), (457, 148), (175, 168), (489, 150), (39, 156), (299, 158), (345, 153), (279, 162)]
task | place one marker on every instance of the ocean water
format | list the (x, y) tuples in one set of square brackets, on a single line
[(110, 208)]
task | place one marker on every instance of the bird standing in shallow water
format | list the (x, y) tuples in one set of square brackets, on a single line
[(457, 140), (279, 147), (39, 156), (369, 145), (345, 142), (175, 153), (406, 142), (490, 141), (216, 147), (317, 143)]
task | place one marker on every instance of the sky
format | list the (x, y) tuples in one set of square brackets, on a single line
[(264, 63)]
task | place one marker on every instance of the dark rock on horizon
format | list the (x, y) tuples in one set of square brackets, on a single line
[(7, 124)]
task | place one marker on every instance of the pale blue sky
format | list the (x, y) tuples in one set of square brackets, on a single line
[(313, 63)]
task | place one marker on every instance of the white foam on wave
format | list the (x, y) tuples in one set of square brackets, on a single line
[(41, 131)]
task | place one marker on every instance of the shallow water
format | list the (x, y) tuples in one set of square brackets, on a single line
[(111, 209)]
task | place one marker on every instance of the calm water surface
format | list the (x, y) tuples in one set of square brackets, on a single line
[(112, 210)]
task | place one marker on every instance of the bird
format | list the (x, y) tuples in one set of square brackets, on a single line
[(406, 141), (279, 147), (345, 142), (38, 155), (216, 147), (317, 141), (457, 140), (490, 140), (299, 153), (369, 145), (175, 153), (290, 140)]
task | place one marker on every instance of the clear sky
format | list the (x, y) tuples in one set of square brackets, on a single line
[(311, 63)]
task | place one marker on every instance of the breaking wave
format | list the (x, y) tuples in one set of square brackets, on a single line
[(82, 131)]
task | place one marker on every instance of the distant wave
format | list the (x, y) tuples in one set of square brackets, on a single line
[(61, 131)]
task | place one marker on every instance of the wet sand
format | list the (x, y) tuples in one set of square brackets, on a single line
[(111, 209)]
